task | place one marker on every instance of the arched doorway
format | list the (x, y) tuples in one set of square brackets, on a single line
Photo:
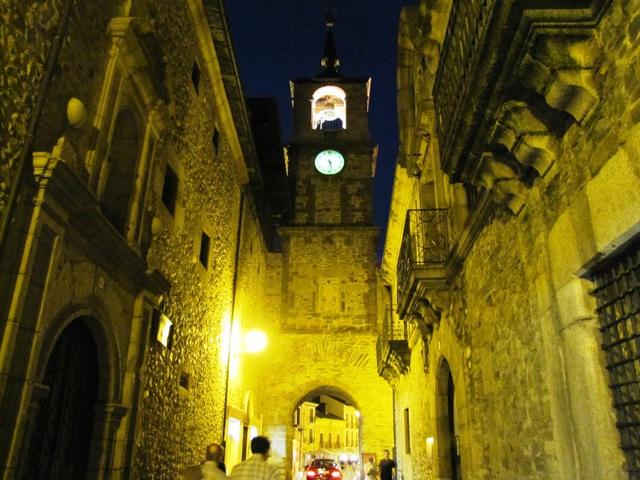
[(449, 465), (326, 424), (61, 439)]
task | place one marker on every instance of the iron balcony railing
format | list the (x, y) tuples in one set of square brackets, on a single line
[(392, 345), (460, 54), (424, 242)]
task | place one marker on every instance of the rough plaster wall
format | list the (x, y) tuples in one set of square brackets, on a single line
[(513, 346)]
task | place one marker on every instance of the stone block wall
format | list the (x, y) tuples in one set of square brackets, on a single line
[(329, 280), (520, 331)]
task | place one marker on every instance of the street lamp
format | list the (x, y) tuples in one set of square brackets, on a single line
[(253, 341)]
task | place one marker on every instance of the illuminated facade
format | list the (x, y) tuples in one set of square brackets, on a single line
[(324, 283), (129, 242), (511, 256)]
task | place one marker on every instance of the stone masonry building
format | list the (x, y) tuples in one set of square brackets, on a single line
[(150, 220), (512, 261)]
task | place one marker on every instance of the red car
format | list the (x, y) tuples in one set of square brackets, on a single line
[(323, 469)]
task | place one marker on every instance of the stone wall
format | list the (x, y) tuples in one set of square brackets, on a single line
[(328, 279), (520, 331), (176, 392), (178, 422)]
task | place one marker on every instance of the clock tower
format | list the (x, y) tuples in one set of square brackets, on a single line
[(329, 276)]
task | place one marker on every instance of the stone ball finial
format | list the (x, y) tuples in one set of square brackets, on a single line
[(76, 112)]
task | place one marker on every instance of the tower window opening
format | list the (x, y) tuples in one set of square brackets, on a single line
[(205, 245), (195, 76), (329, 109), (170, 190)]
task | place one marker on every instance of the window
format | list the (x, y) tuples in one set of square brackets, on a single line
[(329, 109), (184, 380), (121, 170), (310, 416), (618, 296), (195, 76), (205, 242), (215, 139), (338, 441), (311, 439), (170, 190), (407, 433), (321, 440)]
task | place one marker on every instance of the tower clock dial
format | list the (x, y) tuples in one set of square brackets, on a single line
[(329, 162)]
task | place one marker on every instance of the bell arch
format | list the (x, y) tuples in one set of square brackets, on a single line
[(329, 108)]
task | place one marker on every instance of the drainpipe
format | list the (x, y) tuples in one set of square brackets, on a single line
[(395, 443), (25, 153), (233, 306)]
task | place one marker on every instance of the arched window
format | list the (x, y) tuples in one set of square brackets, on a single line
[(329, 109), (121, 169)]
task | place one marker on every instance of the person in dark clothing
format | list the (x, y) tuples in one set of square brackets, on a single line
[(387, 467)]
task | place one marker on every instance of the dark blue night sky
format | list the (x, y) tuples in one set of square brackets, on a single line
[(279, 40)]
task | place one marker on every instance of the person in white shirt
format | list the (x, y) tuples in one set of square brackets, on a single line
[(209, 469), (257, 467)]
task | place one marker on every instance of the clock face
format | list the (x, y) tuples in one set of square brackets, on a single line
[(329, 162)]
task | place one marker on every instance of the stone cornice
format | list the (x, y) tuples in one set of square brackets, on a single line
[(62, 192), (217, 23)]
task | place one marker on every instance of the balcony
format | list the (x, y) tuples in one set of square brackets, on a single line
[(392, 348), (422, 263), (512, 77)]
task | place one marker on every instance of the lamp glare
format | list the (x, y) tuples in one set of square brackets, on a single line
[(255, 341)]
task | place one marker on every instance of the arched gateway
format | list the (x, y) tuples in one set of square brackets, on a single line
[(324, 349)]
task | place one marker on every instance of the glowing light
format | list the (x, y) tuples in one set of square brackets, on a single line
[(328, 104), (255, 341), (234, 428), (430, 441)]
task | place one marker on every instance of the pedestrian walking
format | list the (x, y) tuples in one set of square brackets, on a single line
[(257, 466), (387, 467), (210, 468)]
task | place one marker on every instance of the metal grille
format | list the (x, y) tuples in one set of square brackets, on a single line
[(618, 296), (392, 330), (424, 241), (465, 31)]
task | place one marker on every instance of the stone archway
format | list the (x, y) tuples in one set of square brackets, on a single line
[(60, 442), (72, 421), (326, 424), (449, 464)]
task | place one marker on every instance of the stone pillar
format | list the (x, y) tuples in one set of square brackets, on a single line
[(39, 394), (590, 399), (106, 422)]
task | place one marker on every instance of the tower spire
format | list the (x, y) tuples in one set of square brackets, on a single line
[(330, 61)]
